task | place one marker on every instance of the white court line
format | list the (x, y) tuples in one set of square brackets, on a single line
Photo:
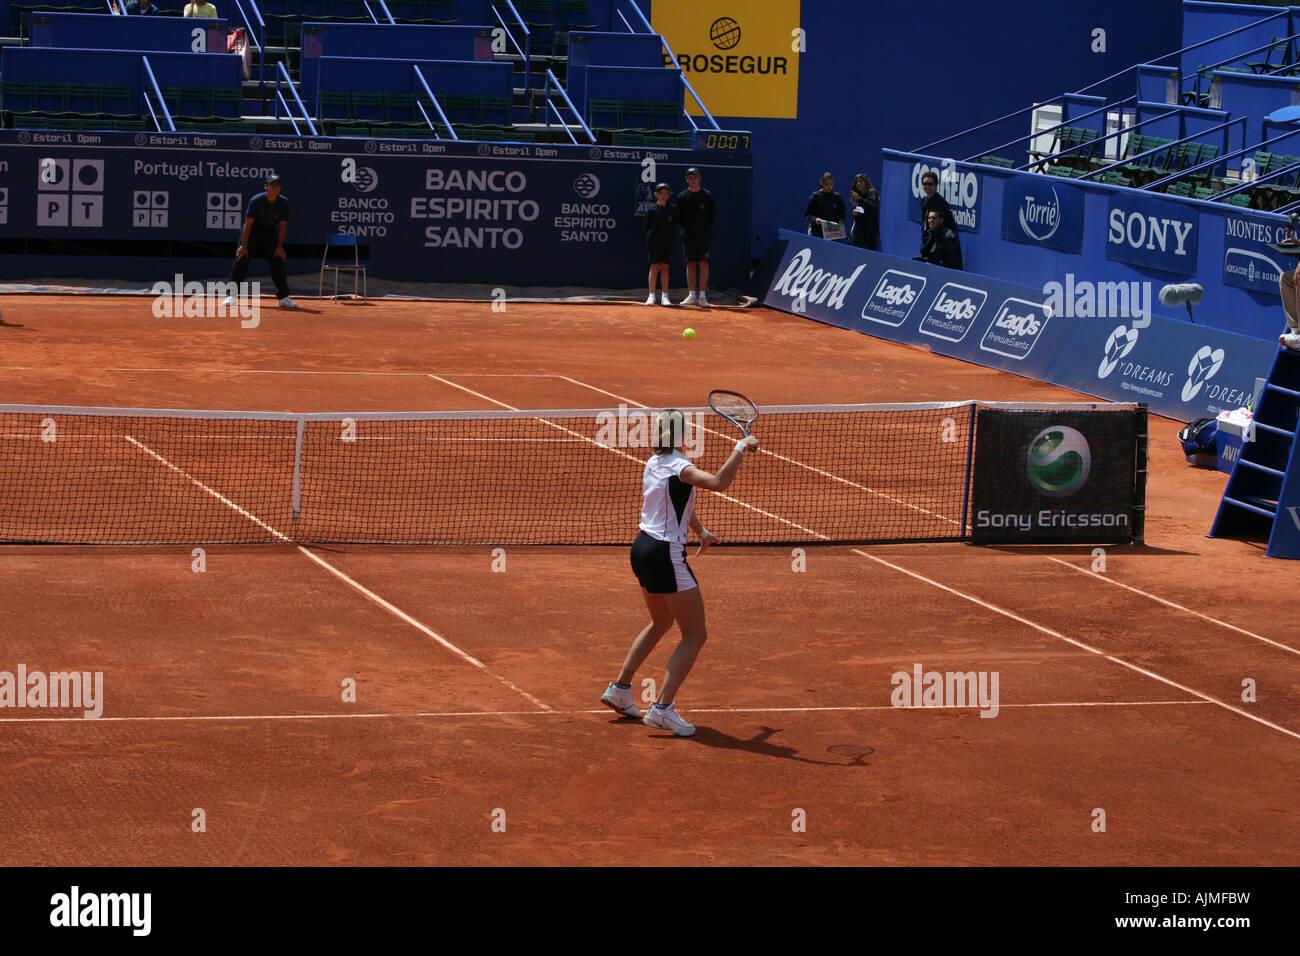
[(1079, 644), (371, 595), (581, 713), (285, 371), (1178, 607)]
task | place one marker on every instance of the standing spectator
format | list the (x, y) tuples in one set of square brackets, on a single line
[(932, 200), (696, 211), (660, 227), (200, 8), (939, 243), (866, 213), (825, 205), (264, 228), (142, 8)]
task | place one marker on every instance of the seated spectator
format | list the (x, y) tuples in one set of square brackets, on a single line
[(865, 206), (932, 200), (200, 8), (939, 243), (142, 8), (825, 204)]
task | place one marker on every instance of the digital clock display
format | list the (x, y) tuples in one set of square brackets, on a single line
[(722, 140)]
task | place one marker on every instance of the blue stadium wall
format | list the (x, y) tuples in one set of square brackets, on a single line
[(899, 75)]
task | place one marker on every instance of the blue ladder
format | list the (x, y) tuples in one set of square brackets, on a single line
[(1262, 499)]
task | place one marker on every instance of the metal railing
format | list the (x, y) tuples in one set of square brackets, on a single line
[(282, 73), (256, 28), (680, 72), (151, 82), (419, 78), (527, 51), (550, 79)]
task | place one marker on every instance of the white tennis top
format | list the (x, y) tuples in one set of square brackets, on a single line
[(667, 502)]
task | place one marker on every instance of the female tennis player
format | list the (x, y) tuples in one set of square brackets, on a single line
[(659, 561)]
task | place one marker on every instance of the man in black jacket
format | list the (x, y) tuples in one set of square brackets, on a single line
[(939, 243), (932, 200)]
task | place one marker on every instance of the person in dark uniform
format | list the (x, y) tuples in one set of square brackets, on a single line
[(825, 205), (939, 243), (265, 224), (660, 231), (141, 8), (668, 585), (932, 200), (865, 206), (696, 211)]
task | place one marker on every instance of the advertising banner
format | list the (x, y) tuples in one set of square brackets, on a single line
[(518, 214), (1058, 476), (1039, 211), (1156, 233), (742, 59)]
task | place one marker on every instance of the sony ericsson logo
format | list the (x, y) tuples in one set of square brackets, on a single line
[(725, 33), (892, 300), (1040, 218), (1205, 364), (1121, 341), (1058, 461), (953, 312), (807, 284)]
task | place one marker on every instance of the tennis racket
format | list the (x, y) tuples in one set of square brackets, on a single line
[(734, 407)]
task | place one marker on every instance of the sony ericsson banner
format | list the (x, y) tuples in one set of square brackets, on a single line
[(438, 211), (971, 317), (959, 187), (741, 58), (1182, 371), (1248, 262), (1155, 233), (1058, 477), (1039, 211)]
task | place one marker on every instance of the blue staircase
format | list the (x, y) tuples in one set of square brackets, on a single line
[(1262, 500)]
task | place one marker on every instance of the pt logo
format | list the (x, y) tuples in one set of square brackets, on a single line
[(149, 208), (225, 211), (1205, 364), (1121, 342), (70, 192)]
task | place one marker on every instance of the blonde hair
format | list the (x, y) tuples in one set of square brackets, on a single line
[(670, 431)]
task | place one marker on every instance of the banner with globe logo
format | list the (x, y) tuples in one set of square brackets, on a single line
[(741, 58), (1069, 475)]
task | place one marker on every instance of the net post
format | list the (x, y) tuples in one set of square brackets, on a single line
[(1140, 497), (297, 468), (970, 452)]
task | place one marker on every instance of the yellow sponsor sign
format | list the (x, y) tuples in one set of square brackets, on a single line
[(742, 58)]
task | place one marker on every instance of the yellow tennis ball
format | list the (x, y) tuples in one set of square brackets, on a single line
[(688, 334)]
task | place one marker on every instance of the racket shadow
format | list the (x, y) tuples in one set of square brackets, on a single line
[(762, 745)]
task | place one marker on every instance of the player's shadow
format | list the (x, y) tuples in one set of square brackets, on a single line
[(762, 745)]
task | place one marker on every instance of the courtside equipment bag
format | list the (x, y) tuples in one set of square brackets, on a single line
[(1198, 442)]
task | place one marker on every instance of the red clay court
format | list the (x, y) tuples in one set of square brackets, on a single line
[(477, 691)]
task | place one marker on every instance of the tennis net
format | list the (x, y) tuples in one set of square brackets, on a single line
[(835, 473)]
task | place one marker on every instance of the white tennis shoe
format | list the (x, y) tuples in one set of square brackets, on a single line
[(1291, 340), (667, 718), (620, 700), (228, 302), (651, 299), (702, 300), (664, 300), (691, 299), (288, 303)]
